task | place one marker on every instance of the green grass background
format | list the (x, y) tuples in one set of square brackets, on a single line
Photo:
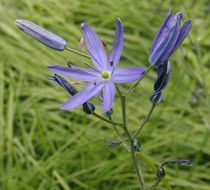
[(42, 147)]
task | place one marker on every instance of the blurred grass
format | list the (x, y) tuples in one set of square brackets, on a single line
[(42, 147)]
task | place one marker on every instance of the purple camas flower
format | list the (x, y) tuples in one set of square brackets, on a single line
[(45, 37), (161, 82), (88, 107), (170, 36), (105, 73)]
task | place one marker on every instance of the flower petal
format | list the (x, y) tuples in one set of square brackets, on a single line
[(84, 74), (45, 37), (82, 96), (118, 44), (88, 107), (108, 96), (129, 74), (94, 47), (162, 31), (166, 41), (182, 34)]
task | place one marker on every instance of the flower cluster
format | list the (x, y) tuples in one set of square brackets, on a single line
[(106, 73), (170, 36)]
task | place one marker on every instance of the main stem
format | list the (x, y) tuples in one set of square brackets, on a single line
[(133, 155)]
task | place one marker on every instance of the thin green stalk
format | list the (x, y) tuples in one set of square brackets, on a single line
[(77, 52), (137, 82), (133, 155), (144, 122), (121, 138), (106, 120)]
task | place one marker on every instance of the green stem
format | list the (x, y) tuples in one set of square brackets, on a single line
[(144, 122), (77, 52), (137, 82), (133, 155), (119, 135), (121, 138), (108, 121)]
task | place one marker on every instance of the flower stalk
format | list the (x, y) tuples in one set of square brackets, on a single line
[(77, 52), (145, 121), (132, 149)]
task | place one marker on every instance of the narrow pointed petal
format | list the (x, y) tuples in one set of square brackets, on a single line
[(108, 96), (185, 29), (83, 74), (166, 39), (162, 31), (82, 96), (165, 45), (129, 74), (118, 44), (94, 47), (45, 37)]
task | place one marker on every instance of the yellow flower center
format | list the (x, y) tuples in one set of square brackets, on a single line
[(105, 74)]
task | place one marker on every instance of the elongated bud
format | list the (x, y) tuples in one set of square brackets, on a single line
[(45, 37), (88, 107)]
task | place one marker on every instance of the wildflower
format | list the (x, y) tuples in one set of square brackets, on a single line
[(88, 107), (45, 37), (170, 36), (160, 83), (104, 75)]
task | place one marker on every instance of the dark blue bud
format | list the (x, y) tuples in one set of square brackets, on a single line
[(64, 83), (136, 145), (88, 107), (161, 82), (109, 113), (169, 37), (45, 37)]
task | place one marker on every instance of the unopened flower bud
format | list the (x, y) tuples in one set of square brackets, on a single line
[(88, 107), (160, 83), (170, 36), (45, 37)]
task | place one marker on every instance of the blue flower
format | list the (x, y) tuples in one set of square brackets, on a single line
[(88, 107), (170, 36), (45, 37), (160, 83), (105, 73)]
